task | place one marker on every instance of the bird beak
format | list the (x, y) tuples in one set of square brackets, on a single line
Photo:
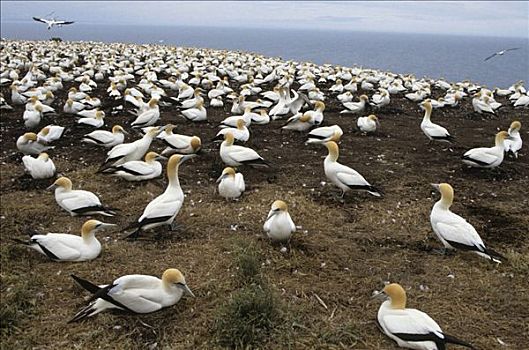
[(159, 157), (379, 295), (272, 213), (188, 291), (221, 177), (187, 157), (52, 187), (125, 132), (105, 225), (377, 123), (436, 186)]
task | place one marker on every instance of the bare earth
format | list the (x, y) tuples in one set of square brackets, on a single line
[(340, 255)]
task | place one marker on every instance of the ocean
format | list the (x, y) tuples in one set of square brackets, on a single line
[(454, 58)]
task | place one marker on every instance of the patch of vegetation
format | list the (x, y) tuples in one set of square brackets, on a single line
[(17, 303), (519, 262), (253, 311)]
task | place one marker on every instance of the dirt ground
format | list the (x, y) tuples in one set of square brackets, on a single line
[(339, 255)]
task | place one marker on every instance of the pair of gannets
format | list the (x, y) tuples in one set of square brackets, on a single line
[(96, 121), (177, 143), (279, 225), (344, 177), (324, 134), (240, 132), (68, 247), (431, 130), (410, 328), (78, 202), (106, 138), (368, 124), (134, 293), (453, 230), (137, 170), (29, 144), (163, 209), (197, 113), (234, 155), (41, 167), (231, 184), (488, 157)]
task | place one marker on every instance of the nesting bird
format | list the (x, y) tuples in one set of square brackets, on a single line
[(138, 294), (137, 170), (410, 328), (29, 144), (234, 155), (454, 231), (324, 134), (68, 247), (231, 184), (78, 202), (41, 167), (279, 225), (368, 124), (177, 143), (106, 138), (487, 157)]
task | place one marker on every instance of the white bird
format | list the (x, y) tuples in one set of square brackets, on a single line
[(344, 177), (78, 202), (231, 184), (514, 143), (139, 294), (52, 22), (279, 225), (106, 138), (126, 152), (29, 144), (521, 102), (500, 53), (454, 231), (487, 157), (234, 155), (149, 116), (316, 115), (163, 209), (240, 133), (299, 122), (137, 170), (73, 107), (196, 114), (97, 121), (50, 133), (381, 99), (32, 118), (68, 247), (410, 328), (324, 134), (41, 167), (355, 107), (368, 124), (431, 130), (177, 143), (260, 118), (480, 106)]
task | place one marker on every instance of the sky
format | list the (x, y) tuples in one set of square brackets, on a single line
[(480, 18)]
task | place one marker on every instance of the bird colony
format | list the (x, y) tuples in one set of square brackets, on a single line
[(142, 118)]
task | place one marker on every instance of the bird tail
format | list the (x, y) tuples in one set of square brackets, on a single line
[(495, 256), (454, 340), (89, 286), (87, 311), (372, 190)]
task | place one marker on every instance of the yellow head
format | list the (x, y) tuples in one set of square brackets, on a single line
[(305, 118), (63, 182), (320, 106), (279, 205), (30, 136), (364, 98), (117, 128), (44, 156), (516, 125), (151, 157), (397, 295), (240, 124), (99, 115), (173, 277), (500, 137), (153, 102), (447, 193), (228, 138), (195, 143)]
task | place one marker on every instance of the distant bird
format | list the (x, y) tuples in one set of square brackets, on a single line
[(52, 22), (501, 53)]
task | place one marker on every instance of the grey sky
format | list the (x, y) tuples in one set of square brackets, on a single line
[(487, 18)]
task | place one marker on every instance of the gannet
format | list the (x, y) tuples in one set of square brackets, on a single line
[(487, 157), (134, 293), (521, 102), (78, 202), (73, 107), (514, 143), (481, 106), (410, 328), (41, 167), (32, 118), (106, 138), (231, 184), (234, 155), (432, 130), (260, 118), (345, 97), (368, 124), (16, 97), (381, 99), (137, 170), (279, 225), (177, 143), (324, 134), (196, 114), (500, 53), (231, 122), (76, 95), (240, 133), (344, 177), (192, 102), (97, 121), (126, 152), (355, 107), (454, 231), (299, 122), (68, 247), (337, 87), (50, 133), (149, 116), (316, 115), (52, 22), (28, 144), (163, 209)]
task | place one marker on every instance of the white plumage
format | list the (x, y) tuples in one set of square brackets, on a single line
[(279, 225), (106, 138), (137, 170), (487, 157), (231, 184), (324, 134), (41, 167), (432, 130), (367, 124), (234, 155)]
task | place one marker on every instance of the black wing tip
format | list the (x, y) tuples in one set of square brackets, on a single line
[(454, 340)]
